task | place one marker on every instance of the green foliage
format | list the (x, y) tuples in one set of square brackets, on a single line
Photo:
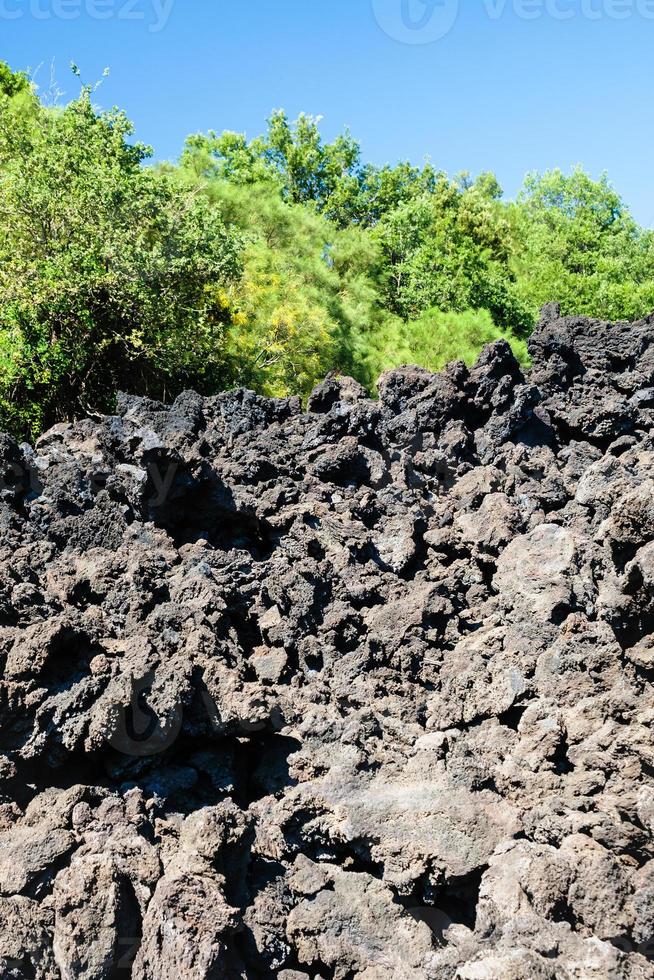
[(269, 262), (293, 158), (13, 82), (432, 341), (109, 271), (450, 250), (306, 289), (577, 244), (283, 311)]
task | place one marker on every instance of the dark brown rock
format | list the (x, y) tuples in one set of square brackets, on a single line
[(360, 692)]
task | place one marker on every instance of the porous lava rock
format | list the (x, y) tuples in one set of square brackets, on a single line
[(358, 692)]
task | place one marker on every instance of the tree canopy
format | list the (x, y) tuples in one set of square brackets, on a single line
[(267, 262), (576, 241), (110, 272)]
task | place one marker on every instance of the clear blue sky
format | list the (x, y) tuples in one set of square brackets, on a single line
[(510, 87)]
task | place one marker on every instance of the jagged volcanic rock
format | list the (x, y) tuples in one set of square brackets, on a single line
[(362, 692)]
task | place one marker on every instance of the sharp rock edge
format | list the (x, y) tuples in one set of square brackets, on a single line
[(358, 692)]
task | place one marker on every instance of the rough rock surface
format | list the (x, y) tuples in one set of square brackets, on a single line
[(361, 692)]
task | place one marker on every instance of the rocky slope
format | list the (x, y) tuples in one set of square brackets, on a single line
[(361, 692)]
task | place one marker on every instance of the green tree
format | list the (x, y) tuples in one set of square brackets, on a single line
[(13, 82), (432, 341), (576, 243), (268, 262), (450, 250), (283, 315), (110, 272), (306, 290), (294, 158)]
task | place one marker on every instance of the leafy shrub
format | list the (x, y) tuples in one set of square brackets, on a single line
[(110, 272), (577, 244), (269, 262), (432, 341)]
